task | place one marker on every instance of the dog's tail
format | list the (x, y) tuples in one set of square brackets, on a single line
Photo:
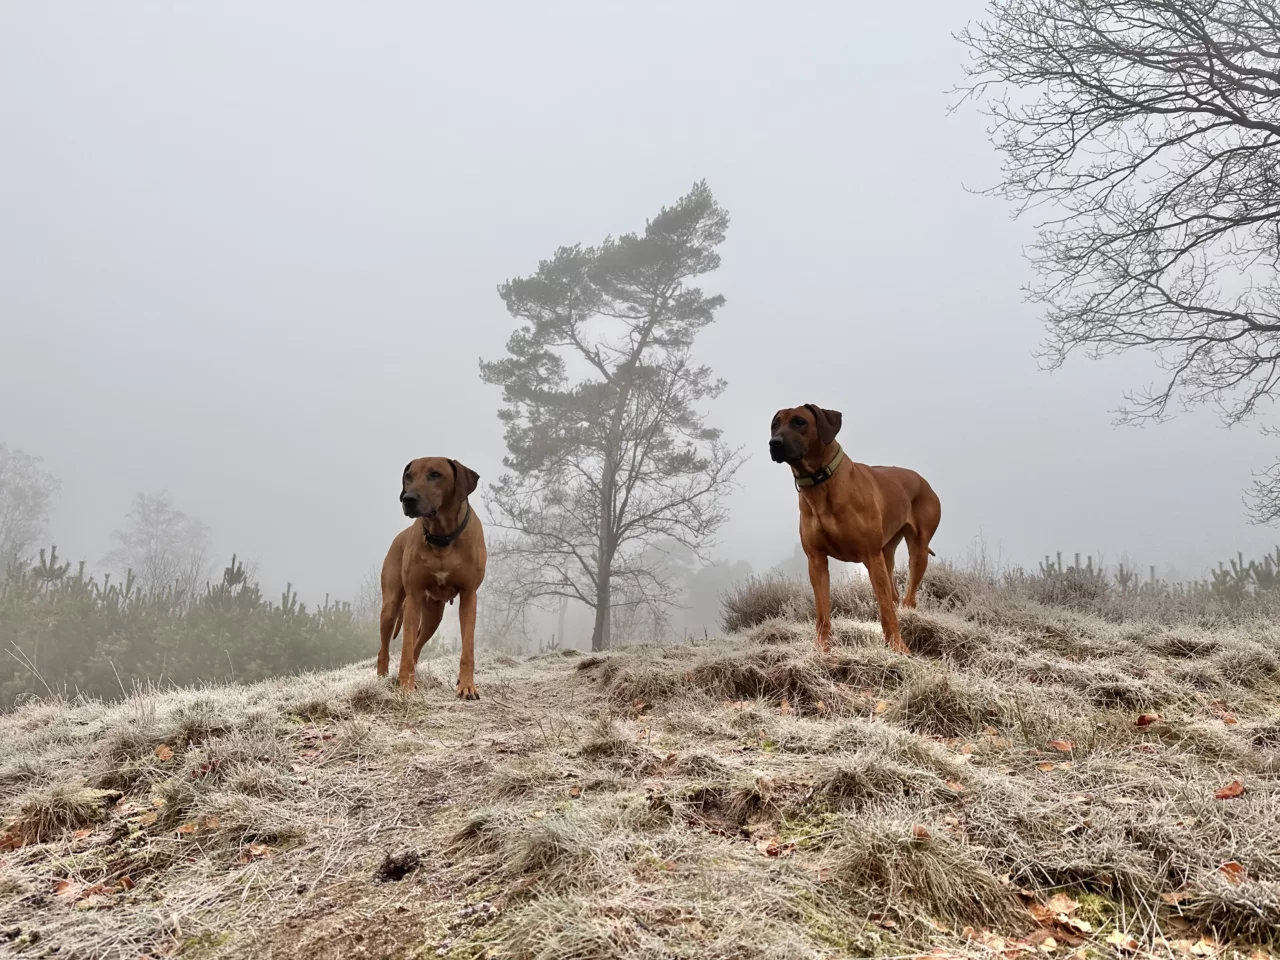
[(931, 553)]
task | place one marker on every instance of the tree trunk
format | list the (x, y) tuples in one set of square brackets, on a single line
[(600, 635)]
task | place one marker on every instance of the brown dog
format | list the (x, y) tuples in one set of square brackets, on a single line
[(441, 556), (853, 512)]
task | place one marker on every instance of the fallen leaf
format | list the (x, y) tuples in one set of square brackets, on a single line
[(1146, 719), (81, 834), (1045, 767), (539, 814), (1122, 941), (1081, 928), (990, 732), (820, 707), (66, 888), (187, 828), (1233, 871), (1203, 948), (126, 883), (1062, 746), (1232, 790), (1048, 945), (769, 846), (1173, 899), (920, 831), (824, 874), (785, 707), (575, 792), (881, 706), (147, 819), (670, 757), (164, 752), (1229, 718), (213, 822), (955, 785), (1061, 903)]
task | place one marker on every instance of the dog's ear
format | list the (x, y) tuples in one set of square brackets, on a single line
[(405, 475), (827, 421), (465, 481)]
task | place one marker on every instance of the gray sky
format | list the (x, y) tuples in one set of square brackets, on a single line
[(248, 253)]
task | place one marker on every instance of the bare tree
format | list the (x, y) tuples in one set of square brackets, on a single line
[(621, 457), (163, 547), (26, 499), (1148, 131)]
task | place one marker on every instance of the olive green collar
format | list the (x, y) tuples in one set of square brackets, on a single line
[(813, 479)]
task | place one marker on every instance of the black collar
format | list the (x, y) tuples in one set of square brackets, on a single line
[(446, 539)]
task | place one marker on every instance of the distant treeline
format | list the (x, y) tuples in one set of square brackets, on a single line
[(62, 632)]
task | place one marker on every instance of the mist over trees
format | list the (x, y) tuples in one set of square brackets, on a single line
[(26, 502), (609, 452), (1146, 137)]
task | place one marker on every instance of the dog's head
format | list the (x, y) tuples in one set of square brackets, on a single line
[(432, 484), (800, 433)]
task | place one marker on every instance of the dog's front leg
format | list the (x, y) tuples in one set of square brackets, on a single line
[(409, 634), (820, 578), (467, 663)]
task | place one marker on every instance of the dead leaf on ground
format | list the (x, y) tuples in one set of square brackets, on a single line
[(1062, 746), (187, 828), (1122, 941), (575, 792), (1204, 948), (785, 707), (1233, 871), (254, 851), (1232, 790), (126, 883), (81, 834), (955, 785), (1146, 719), (772, 847), (66, 888), (920, 831), (881, 706), (1045, 767), (164, 752)]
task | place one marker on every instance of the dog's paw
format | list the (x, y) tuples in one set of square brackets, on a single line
[(468, 691)]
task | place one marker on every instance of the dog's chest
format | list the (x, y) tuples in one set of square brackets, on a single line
[(438, 586)]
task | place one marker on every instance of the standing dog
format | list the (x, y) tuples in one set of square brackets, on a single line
[(441, 556), (853, 512)]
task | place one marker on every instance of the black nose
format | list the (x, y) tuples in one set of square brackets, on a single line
[(775, 443), (408, 497)]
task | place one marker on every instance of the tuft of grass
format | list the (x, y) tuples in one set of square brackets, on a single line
[(947, 705), (1248, 911), (879, 863), (941, 635), (869, 779), (50, 813)]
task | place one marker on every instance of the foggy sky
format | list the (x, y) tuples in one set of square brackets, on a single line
[(248, 254)]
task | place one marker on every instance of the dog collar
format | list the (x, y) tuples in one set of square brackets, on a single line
[(445, 539), (813, 479)]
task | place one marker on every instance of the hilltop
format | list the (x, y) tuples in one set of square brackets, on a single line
[(1033, 780)]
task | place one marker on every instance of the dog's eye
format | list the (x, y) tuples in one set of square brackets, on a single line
[(799, 423), (434, 475), (774, 425)]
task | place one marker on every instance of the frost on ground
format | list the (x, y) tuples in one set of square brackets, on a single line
[(1031, 781)]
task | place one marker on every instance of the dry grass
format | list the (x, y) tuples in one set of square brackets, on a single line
[(735, 800)]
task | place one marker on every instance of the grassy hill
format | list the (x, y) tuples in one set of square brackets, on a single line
[(1033, 780)]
